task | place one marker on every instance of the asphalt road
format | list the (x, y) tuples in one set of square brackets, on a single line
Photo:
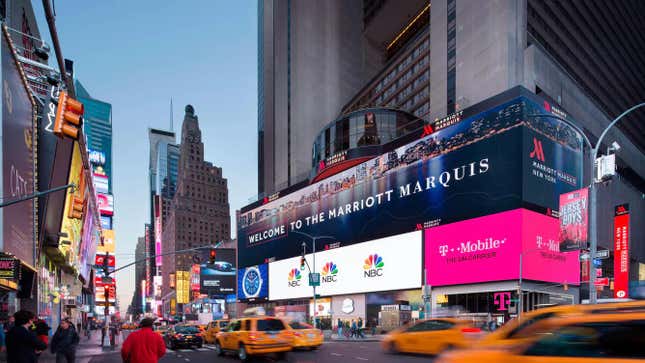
[(332, 352)]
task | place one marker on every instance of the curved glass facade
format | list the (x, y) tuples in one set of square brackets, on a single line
[(368, 127)]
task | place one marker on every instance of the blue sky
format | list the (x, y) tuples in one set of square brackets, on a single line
[(136, 55)]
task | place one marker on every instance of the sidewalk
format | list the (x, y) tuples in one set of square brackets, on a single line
[(89, 348), (368, 338)]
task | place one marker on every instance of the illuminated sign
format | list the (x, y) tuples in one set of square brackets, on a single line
[(108, 242), (70, 245), (105, 203), (621, 251), (488, 249), (158, 231), (573, 220), (183, 287), (9, 268), (391, 263)]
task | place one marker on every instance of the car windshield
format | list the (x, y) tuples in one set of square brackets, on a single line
[(187, 330), (270, 325), (299, 325)]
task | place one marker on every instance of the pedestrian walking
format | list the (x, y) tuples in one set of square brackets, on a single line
[(23, 346), (359, 328), (354, 327), (65, 342), (103, 333), (10, 324), (143, 345), (340, 328), (3, 345)]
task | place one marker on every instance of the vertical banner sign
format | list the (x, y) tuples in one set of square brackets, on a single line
[(621, 251), (158, 231), (573, 220)]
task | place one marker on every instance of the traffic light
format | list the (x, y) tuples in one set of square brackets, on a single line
[(69, 116), (302, 263), (106, 270), (211, 256), (76, 207)]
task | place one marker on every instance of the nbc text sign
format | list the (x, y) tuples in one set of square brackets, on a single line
[(390, 263)]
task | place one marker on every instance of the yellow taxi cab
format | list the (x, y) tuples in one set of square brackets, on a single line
[(539, 321), (255, 336), (305, 336), (161, 329), (588, 338), (213, 328), (431, 336)]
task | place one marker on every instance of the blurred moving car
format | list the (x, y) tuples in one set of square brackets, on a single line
[(255, 336), (306, 336), (431, 336), (543, 320), (183, 336), (593, 338), (213, 328)]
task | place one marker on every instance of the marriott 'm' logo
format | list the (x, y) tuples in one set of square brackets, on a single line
[(538, 151), (427, 130)]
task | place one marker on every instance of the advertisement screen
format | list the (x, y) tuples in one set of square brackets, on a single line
[(72, 227), (488, 249), (158, 231), (106, 222), (573, 220), (391, 263), (183, 287), (468, 168), (18, 152), (621, 251), (194, 278), (253, 283), (108, 242), (105, 203), (220, 277)]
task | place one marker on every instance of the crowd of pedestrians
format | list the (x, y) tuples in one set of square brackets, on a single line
[(353, 329)]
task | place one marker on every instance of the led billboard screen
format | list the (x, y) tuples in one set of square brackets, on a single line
[(391, 263), (220, 277), (253, 283), (479, 165), (488, 249)]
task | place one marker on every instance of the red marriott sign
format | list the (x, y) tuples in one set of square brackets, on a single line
[(621, 251)]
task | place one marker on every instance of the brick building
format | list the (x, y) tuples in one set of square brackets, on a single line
[(199, 213)]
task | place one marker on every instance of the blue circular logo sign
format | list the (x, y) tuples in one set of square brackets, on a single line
[(252, 282)]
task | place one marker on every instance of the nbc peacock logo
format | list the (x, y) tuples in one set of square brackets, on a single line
[(294, 277), (373, 266), (329, 272)]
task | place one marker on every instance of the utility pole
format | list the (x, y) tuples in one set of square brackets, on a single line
[(36, 195)]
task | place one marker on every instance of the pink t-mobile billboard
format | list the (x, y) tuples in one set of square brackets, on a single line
[(488, 249)]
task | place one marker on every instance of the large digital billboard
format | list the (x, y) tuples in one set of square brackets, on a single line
[(466, 168), (253, 283), (18, 152), (391, 263), (218, 278), (488, 249)]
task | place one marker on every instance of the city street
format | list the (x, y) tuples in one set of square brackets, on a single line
[(330, 352)]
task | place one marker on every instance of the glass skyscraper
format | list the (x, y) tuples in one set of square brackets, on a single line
[(97, 126)]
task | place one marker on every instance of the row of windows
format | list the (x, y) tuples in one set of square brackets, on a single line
[(417, 68), (407, 61)]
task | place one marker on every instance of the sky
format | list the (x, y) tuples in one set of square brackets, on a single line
[(137, 55)]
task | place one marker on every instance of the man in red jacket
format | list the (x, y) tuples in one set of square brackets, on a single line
[(143, 345)]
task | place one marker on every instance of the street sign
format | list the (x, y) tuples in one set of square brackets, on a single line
[(314, 279), (584, 256), (597, 263), (603, 281), (602, 254)]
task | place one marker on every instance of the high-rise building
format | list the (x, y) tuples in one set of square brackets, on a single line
[(312, 58), (581, 56), (136, 306), (199, 214)]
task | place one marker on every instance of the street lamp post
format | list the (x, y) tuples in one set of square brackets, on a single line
[(304, 250), (593, 154)]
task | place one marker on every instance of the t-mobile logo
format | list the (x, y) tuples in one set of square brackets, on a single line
[(538, 151), (443, 249), (502, 300), (538, 241)]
